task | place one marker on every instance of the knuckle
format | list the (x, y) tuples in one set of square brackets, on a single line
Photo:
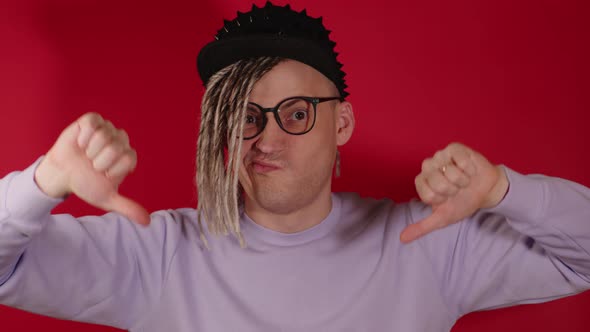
[(426, 164), (438, 155), (130, 158), (91, 119), (108, 124), (122, 133), (113, 149), (428, 196), (123, 137), (423, 166), (90, 115), (419, 183), (126, 160), (417, 180), (456, 146), (102, 136)]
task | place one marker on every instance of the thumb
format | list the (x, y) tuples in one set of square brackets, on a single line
[(127, 207), (435, 221)]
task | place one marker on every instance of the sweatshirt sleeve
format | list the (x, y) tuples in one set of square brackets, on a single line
[(532, 247), (98, 269)]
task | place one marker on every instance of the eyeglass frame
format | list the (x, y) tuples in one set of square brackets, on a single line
[(275, 111)]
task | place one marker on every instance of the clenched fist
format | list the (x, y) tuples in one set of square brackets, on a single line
[(456, 182), (90, 159)]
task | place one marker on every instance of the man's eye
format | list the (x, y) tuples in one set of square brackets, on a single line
[(300, 115), (250, 119)]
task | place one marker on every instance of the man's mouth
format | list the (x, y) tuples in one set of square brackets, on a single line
[(264, 167)]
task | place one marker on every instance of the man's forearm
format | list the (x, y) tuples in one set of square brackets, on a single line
[(24, 210)]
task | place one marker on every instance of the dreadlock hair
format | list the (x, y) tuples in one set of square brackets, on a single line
[(222, 112)]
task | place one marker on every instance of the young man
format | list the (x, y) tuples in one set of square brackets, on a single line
[(299, 258)]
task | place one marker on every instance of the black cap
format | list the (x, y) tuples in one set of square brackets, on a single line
[(273, 31)]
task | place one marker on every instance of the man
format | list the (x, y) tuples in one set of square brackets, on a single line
[(301, 258)]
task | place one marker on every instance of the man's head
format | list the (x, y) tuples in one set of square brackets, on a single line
[(259, 60), (300, 166)]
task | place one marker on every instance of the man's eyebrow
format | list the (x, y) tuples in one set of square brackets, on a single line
[(290, 102), (285, 103)]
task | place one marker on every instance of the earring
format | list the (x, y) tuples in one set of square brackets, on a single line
[(337, 163)]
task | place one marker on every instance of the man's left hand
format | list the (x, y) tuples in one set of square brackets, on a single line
[(456, 182)]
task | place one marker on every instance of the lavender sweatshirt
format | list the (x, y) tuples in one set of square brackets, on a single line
[(349, 273)]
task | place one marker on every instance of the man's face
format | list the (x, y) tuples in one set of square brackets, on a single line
[(282, 173)]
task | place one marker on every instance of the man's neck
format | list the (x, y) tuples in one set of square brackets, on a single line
[(293, 222)]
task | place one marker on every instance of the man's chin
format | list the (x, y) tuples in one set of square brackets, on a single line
[(276, 202)]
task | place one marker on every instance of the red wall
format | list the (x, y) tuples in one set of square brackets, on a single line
[(509, 78)]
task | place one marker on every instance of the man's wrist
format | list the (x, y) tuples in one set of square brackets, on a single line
[(25, 200), (50, 180), (499, 190)]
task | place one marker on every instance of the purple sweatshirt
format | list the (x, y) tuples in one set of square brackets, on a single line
[(349, 273)]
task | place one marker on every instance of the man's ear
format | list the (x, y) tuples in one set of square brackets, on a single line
[(344, 122)]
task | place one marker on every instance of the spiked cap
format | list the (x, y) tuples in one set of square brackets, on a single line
[(273, 31)]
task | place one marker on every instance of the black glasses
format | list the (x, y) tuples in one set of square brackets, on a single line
[(295, 115)]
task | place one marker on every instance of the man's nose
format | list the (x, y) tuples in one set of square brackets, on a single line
[(272, 136)]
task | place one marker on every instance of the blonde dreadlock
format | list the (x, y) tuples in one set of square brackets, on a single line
[(222, 113)]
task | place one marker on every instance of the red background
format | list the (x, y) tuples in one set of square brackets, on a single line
[(509, 78)]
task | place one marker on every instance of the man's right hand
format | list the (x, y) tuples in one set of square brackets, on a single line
[(90, 159)]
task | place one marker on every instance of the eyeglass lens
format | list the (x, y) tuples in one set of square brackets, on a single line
[(296, 116)]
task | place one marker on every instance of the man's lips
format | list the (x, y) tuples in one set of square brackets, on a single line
[(264, 167)]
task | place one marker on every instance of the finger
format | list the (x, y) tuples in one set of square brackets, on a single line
[(101, 137), (456, 176), (426, 194), (71, 133), (442, 158), (107, 157), (429, 224), (439, 183), (123, 137), (110, 127), (461, 157), (88, 124), (428, 166), (123, 166), (128, 208)]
